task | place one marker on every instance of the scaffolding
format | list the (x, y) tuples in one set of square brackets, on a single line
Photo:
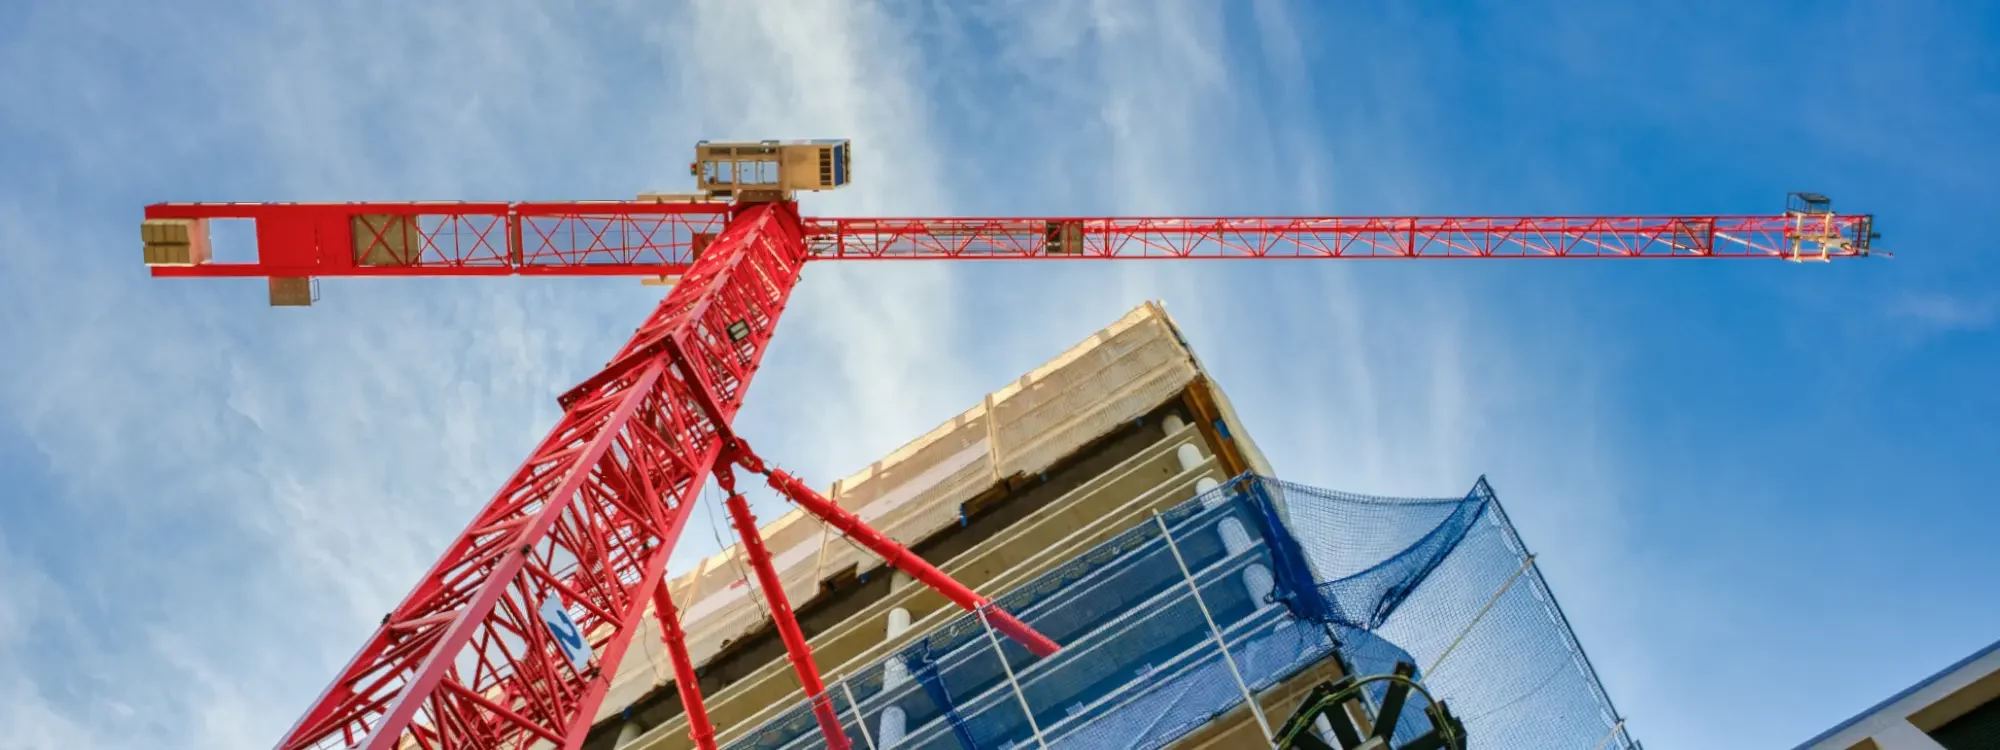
[(1289, 578)]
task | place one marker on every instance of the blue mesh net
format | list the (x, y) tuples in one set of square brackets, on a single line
[(1288, 577)]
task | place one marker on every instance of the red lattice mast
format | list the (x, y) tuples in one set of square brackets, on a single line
[(513, 635)]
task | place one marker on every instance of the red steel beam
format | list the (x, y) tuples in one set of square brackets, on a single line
[(1778, 236), (896, 555), (576, 238), (465, 661), (700, 731), (633, 238), (796, 648)]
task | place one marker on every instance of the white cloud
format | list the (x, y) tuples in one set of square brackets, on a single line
[(827, 69), (277, 478), (1394, 380), (240, 492), (1944, 312)]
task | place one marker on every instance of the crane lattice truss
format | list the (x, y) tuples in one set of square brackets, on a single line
[(512, 638)]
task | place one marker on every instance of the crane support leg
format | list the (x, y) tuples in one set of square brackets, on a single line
[(896, 555), (796, 648), (699, 730)]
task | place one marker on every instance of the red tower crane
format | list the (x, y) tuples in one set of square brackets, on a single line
[(512, 637)]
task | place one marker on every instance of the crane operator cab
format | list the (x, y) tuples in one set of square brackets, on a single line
[(770, 170)]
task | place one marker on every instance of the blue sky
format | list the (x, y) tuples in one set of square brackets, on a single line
[(1760, 489)]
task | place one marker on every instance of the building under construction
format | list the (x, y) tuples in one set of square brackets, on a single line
[(1051, 493), (1095, 556)]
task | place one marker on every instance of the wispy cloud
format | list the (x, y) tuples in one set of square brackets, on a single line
[(233, 494), (1943, 312)]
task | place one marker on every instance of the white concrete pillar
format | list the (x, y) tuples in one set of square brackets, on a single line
[(1188, 455), (1324, 729), (899, 621), (628, 733), (1258, 582), (1202, 486), (1234, 538), (1173, 423), (892, 729), (894, 722), (894, 673)]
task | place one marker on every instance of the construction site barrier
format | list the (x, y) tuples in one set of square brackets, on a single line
[(1289, 577)]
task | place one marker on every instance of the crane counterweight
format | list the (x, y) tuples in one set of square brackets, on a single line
[(175, 242)]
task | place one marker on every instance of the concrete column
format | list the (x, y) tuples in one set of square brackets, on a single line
[(1258, 582), (894, 724), (1234, 538), (1324, 729), (892, 730), (893, 672), (1256, 578), (1173, 423), (1202, 487), (628, 733), (1188, 455)]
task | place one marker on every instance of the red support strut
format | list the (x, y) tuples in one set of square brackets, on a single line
[(781, 613), (699, 730), (898, 556)]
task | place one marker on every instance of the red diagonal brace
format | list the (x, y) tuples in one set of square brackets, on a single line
[(699, 730), (781, 612), (896, 555)]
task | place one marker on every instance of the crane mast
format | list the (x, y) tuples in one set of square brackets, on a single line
[(512, 637)]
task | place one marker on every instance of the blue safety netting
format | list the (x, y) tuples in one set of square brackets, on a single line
[(1290, 577), (1449, 583)]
